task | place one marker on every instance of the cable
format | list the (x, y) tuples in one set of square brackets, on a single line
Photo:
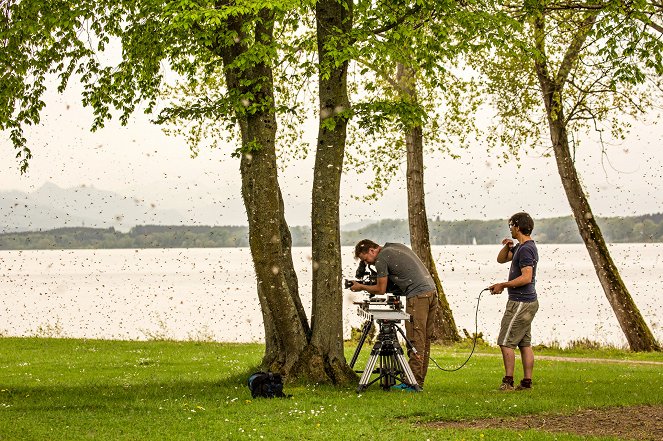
[(476, 335)]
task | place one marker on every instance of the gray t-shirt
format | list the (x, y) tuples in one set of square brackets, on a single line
[(405, 269)]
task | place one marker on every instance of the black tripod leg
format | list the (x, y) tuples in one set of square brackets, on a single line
[(365, 329)]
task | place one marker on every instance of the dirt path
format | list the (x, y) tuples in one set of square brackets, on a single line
[(584, 360), (643, 422), (628, 423)]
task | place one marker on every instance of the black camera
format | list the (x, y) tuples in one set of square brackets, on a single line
[(368, 275)]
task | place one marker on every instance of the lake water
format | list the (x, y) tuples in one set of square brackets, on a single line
[(210, 294)]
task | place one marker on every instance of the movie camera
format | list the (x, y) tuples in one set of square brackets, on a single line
[(368, 275)]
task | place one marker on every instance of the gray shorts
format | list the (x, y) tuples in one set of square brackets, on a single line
[(516, 330)]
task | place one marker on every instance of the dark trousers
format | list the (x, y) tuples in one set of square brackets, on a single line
[(419, 331)]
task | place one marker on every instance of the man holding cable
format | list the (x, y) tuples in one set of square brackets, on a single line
[(516, 329)]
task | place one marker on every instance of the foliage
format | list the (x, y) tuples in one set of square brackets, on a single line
[(147, 236), (408, 76), (648, 228), (615, 73), (61, 389), (126, 54)]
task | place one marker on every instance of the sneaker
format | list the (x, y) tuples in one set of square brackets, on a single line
[(404, 387), (506, 386), (507, 383), (524, 385)]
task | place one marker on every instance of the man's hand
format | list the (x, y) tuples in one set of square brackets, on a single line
[(356, 286), (497, 288), (507, 241)]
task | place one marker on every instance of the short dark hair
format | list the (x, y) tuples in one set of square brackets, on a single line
[(523, 221), (363, 246)]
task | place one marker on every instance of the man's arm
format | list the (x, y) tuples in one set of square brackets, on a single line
[(505, 255), (524, 278), (379, 288)]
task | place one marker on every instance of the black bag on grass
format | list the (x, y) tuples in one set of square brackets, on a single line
[(266, 385)]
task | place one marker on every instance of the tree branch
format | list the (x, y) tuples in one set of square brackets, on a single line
[(574, 48), (398, 21), (652, 25)]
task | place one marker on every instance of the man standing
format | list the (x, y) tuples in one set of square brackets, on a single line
[(399, 264), (516, 330)]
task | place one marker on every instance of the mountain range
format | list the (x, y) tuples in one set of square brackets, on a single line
[(53, 207)]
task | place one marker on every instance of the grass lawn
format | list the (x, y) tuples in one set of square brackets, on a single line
[(65, 389)]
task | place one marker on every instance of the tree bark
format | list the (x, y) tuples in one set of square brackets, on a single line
[(334, 19), (638, 334), (286, 326), (445, 326)]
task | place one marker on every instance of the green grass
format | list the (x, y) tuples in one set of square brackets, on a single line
[(61, 389)]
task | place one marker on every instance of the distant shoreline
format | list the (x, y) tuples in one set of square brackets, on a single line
[(561, 230)]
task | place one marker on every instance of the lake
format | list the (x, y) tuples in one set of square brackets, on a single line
[(210, 294)]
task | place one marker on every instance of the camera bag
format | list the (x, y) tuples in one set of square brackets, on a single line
[(266, 385)]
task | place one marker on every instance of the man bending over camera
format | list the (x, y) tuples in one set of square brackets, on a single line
[(397, 263)]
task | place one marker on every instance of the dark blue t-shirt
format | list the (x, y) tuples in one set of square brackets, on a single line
[(524, 254)]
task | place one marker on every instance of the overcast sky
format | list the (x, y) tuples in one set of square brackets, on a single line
[(141, 161)]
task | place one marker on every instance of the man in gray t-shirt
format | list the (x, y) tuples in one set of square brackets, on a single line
[(397, 263), (404, 269)]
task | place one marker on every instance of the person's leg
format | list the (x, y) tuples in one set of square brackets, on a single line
[(509, 358), (527, 356), (526, 351), (505, 341), (415, 330), (430, 330)]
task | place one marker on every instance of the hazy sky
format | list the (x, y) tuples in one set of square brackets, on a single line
[(139, 160)]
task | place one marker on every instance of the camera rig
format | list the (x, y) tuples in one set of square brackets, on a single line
[(387, 312)]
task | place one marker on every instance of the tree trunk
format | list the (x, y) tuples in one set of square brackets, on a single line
[(445, 325), (261, 198), (274, 357), (333, 18), (638, 334), (286, 328)]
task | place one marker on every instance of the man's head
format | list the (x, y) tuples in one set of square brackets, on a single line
[(367, 250), (523, 222)]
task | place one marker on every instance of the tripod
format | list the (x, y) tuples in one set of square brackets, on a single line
[(392, 365)]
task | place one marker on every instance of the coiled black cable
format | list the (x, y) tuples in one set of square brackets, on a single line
[(476, 335)]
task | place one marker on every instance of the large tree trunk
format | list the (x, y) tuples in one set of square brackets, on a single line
[(333, 18), (638, 334), (275, 354), (445, 325), (286, 328), (261, 198)]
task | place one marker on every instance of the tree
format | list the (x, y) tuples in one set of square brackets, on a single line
[(225, 55), (588, 63), (415, 57), (334, 21)]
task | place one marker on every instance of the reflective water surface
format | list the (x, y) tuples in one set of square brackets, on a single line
[(210, 294)]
